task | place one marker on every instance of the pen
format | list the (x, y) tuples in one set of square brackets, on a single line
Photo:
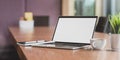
[(37, 41)]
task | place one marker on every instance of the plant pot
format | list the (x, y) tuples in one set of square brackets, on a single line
[(115, 42), (26, 26)]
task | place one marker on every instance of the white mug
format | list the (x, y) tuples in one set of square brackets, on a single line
[(98, 43)]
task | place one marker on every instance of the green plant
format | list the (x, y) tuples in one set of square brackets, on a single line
[(115, 23)]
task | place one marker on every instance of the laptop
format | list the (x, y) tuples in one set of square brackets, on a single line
[(72, 32)]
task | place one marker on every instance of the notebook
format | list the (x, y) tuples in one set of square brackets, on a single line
[(72, 32)]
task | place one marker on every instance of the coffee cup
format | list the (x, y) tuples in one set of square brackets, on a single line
[(98, 43)]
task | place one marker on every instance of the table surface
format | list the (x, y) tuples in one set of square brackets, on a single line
[(46, 33)]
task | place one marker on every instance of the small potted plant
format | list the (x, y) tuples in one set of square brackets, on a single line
[(115, 31)]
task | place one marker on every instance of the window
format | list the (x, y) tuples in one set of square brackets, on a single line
[(78, 7)]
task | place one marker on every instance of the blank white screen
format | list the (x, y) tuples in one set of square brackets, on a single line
[(76, 30)]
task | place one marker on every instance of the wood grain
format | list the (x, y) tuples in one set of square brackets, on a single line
[(46, 33)]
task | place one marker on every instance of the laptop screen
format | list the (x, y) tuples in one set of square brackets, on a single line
[(75, 29)]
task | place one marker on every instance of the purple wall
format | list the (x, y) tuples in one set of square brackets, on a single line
[(50, 8), (11, 10)]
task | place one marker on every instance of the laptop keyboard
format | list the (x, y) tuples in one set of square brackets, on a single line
[(70, 44)]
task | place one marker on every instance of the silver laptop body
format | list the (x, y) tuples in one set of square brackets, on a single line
[(72, 32)]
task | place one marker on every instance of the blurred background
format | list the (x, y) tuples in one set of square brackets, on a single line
[(45, 13), (91, 7)]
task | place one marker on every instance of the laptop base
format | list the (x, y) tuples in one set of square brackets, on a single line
[(61, 45)]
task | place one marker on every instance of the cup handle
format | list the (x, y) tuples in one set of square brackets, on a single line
[(93, 44)]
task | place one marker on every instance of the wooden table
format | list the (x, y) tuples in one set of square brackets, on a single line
[(35, 53)]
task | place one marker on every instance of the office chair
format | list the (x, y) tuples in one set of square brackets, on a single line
[(103, 25), (41, 20)]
